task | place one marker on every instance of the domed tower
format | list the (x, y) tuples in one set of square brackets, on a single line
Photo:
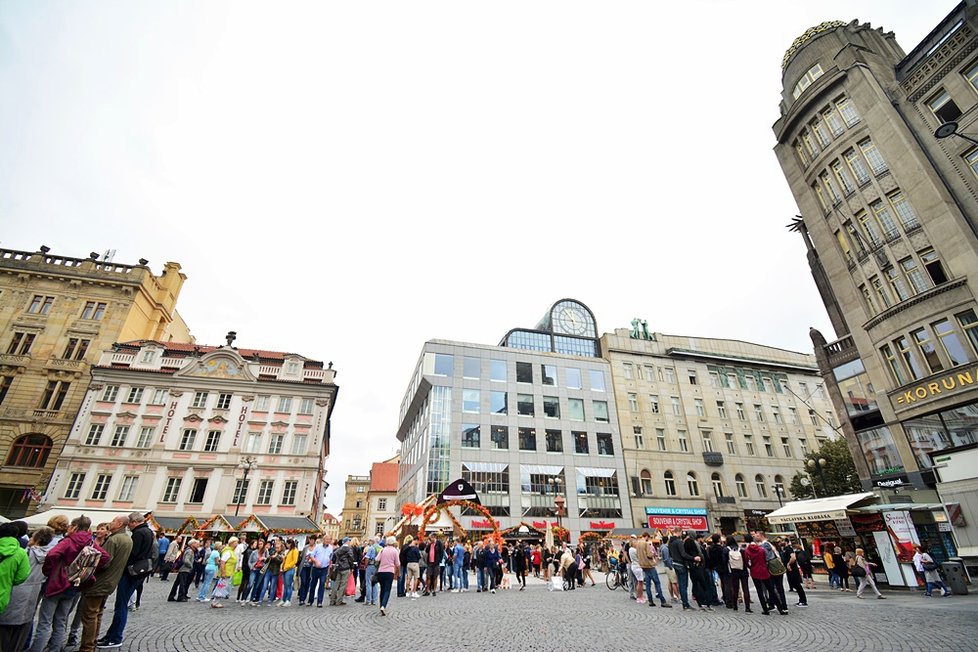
[(888, 217)]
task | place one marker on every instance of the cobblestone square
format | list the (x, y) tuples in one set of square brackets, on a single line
[(537, 619)]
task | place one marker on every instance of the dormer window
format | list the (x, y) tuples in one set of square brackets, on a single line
[(813, 73), (148, 356), (292, 368)]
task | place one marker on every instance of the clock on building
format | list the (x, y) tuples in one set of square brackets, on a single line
[(571, 319)]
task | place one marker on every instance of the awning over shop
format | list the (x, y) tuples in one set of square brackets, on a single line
[(97, 514), (900, 507), (819, 509)]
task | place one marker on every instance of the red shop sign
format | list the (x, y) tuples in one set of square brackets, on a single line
[(486, 524), (602, 525), (658, 522)]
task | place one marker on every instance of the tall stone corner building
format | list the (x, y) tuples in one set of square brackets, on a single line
[(57, 314), (889, 216)]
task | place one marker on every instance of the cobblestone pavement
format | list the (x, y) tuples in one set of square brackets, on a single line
[(536, 619)]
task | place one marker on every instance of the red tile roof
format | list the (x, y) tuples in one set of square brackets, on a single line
[(180, 347), (384, 476), (329, 518)]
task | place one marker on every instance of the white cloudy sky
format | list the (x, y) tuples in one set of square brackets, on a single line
[(349, 179)]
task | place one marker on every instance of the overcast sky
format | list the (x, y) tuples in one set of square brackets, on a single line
[(347, 180)]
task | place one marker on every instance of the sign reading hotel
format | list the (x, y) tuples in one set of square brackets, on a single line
[(684, 518), (947, 383)]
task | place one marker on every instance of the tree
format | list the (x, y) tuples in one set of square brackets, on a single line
[(839, 473)]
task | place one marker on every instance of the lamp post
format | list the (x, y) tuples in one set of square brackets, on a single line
[(559, 500), (819, 466), (247, 464), (777, 491)]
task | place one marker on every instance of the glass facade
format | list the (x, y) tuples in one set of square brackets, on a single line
[(441, 439), (856, 388), (948, 429), (528, 341), (880, 451)]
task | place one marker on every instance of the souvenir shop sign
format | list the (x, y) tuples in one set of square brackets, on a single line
[(670, 518)]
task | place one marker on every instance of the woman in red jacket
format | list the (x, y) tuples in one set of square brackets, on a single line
[(756, 559)]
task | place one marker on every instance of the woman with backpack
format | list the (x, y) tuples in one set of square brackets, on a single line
[(737, 577)]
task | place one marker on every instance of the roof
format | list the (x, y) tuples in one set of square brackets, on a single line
[(329, 518), (189, 348), (384, 476), (286, 523), (819, 509)]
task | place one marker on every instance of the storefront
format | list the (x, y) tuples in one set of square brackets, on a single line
[(668, 519)]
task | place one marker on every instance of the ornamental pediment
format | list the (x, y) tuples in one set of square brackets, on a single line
[(193, 418), (127, 414), (280, 424), (224, 363), (217, 419)]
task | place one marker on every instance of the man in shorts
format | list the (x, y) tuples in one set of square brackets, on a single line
[(413, 559)]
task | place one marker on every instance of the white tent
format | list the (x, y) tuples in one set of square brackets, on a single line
[(97, 514)]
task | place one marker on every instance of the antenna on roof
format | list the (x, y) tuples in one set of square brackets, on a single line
[(108, 255)]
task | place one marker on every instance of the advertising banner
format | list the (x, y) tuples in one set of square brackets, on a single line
[(681, 518), (902, 533)]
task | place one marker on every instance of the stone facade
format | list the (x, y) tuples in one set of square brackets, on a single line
[(711, 424), (57, 314), (354, 514), (168, 428), (888, 216)]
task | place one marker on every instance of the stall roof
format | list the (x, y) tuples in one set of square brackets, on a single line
[(286, 523), (97, 514), (900, 507), (819, 509)]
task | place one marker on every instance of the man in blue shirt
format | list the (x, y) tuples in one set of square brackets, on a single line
[(492, 565), (164, 546), (321, 556), (458, 560)]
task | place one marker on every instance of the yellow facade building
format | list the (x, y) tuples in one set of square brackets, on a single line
[(57, 315)]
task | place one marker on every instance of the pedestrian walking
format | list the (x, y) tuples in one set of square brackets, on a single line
[(790, 557), (738, 575), (388, 565), (184, 565), (932, 576), (138, 567), (862, 570), (118, 545), (841, 569), (211, 560), (226, 570)]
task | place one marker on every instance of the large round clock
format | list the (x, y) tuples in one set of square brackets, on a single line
[(572, 320)]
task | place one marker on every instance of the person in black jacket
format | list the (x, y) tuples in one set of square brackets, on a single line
[(142, 549), (681, 562), (697, 572), (434, 550)]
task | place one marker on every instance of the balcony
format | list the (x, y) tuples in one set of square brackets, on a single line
[(840, 351), (46, 415), (712, 458), (12, 360), (66, 365)]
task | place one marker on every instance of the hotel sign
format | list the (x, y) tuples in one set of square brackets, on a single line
[(942, 385)]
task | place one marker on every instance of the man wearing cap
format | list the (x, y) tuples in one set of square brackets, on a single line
[(132, 578), (345, 561)]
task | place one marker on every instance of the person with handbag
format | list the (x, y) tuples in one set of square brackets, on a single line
[(212, 555), (388, 565), (226, 569), (171, 558), (272, 566), (244, 568), (932, 575), (288, 572), (305, 568), (343, 563), (756, 560), (776, 571), (862, 570), (257, 564), (185, 572)]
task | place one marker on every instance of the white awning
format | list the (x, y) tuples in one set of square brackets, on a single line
[(819, 509)]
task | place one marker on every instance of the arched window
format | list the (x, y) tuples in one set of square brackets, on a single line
[(692, 484), (779, 483), (759, 485), (646, 479), (741, 486), (670, 483), (717, 485), (30, 451)]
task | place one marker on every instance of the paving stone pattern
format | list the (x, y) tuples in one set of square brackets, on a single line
[(536, 619)]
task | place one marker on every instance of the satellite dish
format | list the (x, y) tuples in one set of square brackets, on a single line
[(946, 129)]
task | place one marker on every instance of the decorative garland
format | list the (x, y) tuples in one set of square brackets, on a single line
[(431, 515), (561, 533), (189, 521)]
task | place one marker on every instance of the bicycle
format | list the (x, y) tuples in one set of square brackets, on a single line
[(617, 577)]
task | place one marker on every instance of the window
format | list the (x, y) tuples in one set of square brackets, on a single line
[(5, 383), (654, 403), (497, 371), (633, 402), (873, 156), (605, 444), (580, 442), (527, 439), (148, 356), (639, 438), (692, 485), (731, 444), (40, 305), (299, 444), (265, 492), (683, 442), (821, 133), (200, 400), (793, 416), (691, 374), (54, 395), (470, 435), (779, 486), (573, 378), (820, 196), (660, 439), (813, 417), (638, 372), (880, 291), (307, 406), (811, 147), (857, 167), (224, 401), (187, 440), (275, 444), (741, 415), (548, 374), (670, 483), (800, 153), (786, 446), (914, 275), (575, 409), (842, 176), (830, 188), (707, 440), (898, 283), (749, 444), (213, 440), (776, 415), (76, 349), (700, 409), (904, 211), (284, 405), (722, 409), (760, 486), (870, 228), (717, 483), (933, 266), (927, 350), (471, 368), (596, 378), (670, 375), (197, 490), (290, 487), (262, 403), (93, 310), (750, 381), (758, 413), (21, 343), (806, 80), (128, 488), (381, 504), (551, 407), (803, 445), (146, 434), (73, 488), (847, 110), (768, 447), (969, 324), (94, 434), (676, 407), (882, 211), (500, 437), (971, 158), (524, 372), (444, 365), (951, 342), (524, 405), (894, 365), (30, 451), (240, 491), (645, 482), (172, 490), (554, 441), (119, 436), (741, 486), (471, 399), (943, 107), (600, 411), (498, 403), (714, 379)]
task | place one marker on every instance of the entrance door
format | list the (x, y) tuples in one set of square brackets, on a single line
[(728, 524)]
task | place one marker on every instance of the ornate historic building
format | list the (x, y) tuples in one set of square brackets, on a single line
[(354, 513), (185, 430), (57, 314), (879, 149)]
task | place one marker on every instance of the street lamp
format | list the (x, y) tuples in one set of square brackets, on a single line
[(559, 500), (951, 129), (819, 465), (247, 464), (777, 491)]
